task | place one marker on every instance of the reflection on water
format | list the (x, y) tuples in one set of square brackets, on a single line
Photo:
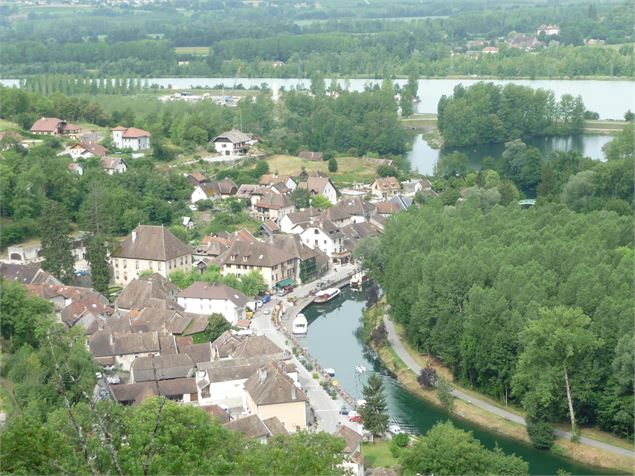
[(422, 157), (332, 340)]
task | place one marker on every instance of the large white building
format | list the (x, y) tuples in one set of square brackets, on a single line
[(208, 298), (152, 248), (232, 143), (130, 138)]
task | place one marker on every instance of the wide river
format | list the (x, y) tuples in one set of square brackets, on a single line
[(332, 340), (610, 99)]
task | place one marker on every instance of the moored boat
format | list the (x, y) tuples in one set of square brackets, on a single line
[(358, 281), (326, 295), (300, 325), (360, 368)]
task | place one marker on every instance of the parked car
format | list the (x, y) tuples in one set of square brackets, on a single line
[(113, 379)]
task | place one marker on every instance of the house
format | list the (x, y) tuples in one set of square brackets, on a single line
[(312, 156), (208, 298), (246, 190), (269, 228), (180, 390), (210, 247), (355, 232), (161, 367), (271, 393), (268, 180), (196, 178), (524, 42), (548, 30), (278, 268), (85, 150), (54, 126), (113, 165), (235, 347), (313, 263), (320, 186), (76, 168), (353, 460), (121, 349), (350, 210), (206, 191), (27, 274), (325, 236), (140, 291), (187, 223), (131, 138), (273, 206), (396, 204), (227, 187), (488, 50), (296, 222), (232, 143), (152, 248), (253, 428), (384, 188)]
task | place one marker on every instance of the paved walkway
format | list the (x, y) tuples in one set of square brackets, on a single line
[(395, 342)]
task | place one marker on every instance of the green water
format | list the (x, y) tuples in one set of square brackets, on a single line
[(332, 341)]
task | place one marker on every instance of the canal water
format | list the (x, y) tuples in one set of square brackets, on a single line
[(422, 157), (333, 341)]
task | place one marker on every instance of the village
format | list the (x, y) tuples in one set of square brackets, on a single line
[(152, 337)]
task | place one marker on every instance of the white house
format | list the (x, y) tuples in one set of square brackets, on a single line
[(205, 191), (131, 138), (84, 150), (548, 30), (232, 143), (268, 180), (321, 186), (113, 165), (323, 235), (384, 188), (296, 221), (207, 298), (152, 248)]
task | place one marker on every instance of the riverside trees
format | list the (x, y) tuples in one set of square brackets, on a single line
[(475, 287)]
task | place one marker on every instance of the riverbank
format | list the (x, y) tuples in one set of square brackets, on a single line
[(465, 409)]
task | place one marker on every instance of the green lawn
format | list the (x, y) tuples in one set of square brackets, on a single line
[(378, 454)]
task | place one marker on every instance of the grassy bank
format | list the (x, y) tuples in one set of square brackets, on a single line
[(349, 169), (579, 452)]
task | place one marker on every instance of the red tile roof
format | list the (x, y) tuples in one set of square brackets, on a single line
[(133, 132)]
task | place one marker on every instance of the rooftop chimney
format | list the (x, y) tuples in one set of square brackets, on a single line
[(262, 374), (134, 235)]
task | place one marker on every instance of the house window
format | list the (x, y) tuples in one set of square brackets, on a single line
[(316, 231)]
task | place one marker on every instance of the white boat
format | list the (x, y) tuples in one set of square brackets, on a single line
[(330, 372), (300, 325), (358, 281), (395, 429), (360, 368), (326, 295)]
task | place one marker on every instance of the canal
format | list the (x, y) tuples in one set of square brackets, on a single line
[(332, 340), (422, 157)]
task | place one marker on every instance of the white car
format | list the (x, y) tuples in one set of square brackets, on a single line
[(266, 312)]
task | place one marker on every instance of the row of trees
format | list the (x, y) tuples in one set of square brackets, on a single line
[(483, 284), (56, 427), (488, 113)]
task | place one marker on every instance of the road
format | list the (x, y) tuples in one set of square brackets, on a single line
[(411, 363), (326, 409)]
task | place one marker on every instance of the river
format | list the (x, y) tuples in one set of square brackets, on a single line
[(610, 99), (422, 157), (333, 342)]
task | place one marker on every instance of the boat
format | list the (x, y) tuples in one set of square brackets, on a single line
[(395, 429), (326, 295), (300, 325), (330, 372), (360, 368), (358, 281)]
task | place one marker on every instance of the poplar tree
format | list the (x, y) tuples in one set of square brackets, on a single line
[(97, 257), (56, 243)]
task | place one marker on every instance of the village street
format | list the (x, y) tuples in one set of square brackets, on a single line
[(326, 409)]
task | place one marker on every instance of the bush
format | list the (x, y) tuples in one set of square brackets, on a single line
[(428, 377), (540, 433), (398, 443), (315, 375)]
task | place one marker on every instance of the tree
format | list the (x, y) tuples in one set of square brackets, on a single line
[(252, 283), (321, 202), (332, 165), (446, 450), (217, 325), (22, 315), (444, 393), (453, 164), (554, 344), (97, 257), (374, 411), (406, 103), (301, 197), (540, 433), (56, 243), (629, 116), (428, 377), (387, 171)]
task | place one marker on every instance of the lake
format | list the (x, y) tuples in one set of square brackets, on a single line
[(610, 99), (332, 340), (422, 157)]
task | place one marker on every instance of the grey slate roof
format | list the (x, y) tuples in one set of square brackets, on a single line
[(251, 426), (26, 274), (199, 353), (253, 254), (269, 385), (234, 136), (138, 291), (152, 243), (202, 290), (161, 367)]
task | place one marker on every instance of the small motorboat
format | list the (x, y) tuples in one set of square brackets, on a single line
[(300, 325), (395, 429), (326, 295), (360, 369), (330, 372)]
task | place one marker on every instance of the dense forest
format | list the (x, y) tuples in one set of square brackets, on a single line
[(427, 39), (490, 286), (488, 113)]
